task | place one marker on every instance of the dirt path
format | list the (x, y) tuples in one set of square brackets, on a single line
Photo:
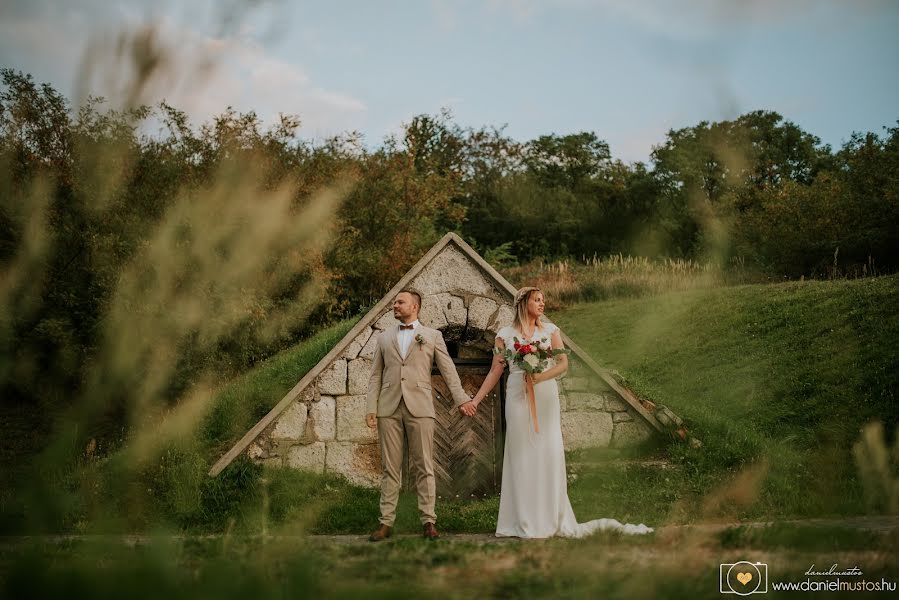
[(879, 524)]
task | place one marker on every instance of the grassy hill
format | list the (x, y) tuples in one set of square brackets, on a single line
[(778, 376), (776, 380)]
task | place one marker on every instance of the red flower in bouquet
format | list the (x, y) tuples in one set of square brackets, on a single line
[(532, 357)]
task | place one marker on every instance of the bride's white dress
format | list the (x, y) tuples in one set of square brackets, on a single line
[(534, 496)]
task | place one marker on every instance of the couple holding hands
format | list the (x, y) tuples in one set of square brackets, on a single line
[(534, 494)]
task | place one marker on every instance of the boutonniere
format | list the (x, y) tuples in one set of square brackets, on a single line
[(420, 340)]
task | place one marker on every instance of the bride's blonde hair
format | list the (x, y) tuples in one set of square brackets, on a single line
[(521, 307)]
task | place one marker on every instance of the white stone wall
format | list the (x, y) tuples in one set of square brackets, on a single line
[(324, 430), (595, 415)]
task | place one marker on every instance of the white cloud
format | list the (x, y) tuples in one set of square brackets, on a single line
[(198, 73)]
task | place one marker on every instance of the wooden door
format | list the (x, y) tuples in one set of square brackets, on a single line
[(468, 451)]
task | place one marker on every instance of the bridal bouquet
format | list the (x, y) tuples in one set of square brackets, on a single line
[(532, 357)]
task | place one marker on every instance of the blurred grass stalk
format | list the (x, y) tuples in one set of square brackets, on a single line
[(878, 468), (217, 257)]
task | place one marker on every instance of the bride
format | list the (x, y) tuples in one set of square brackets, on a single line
[(534, 496)]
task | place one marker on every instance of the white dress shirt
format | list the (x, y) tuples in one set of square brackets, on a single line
[(404, 337)]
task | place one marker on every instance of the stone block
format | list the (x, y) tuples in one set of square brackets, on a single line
[(582, 429), (351, 425), (358, 343), (577, 368), (255, 451), (386, 321), (586, 401), (358, 374), (332, 381), (323, 416), (577, 384), (620, 417), (291, 424), (451, 270), (480, 311), (454, 310), (310, 457), (564, 403), (615, 403), (307, 395), (502, 319), (629, 433), (368, 351), (359, 463), (431, 314)]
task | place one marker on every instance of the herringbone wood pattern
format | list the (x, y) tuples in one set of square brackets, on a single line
[(467, 450)]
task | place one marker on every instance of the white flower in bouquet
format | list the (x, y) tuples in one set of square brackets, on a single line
[(532, 360)]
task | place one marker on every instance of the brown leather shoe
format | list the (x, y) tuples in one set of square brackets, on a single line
[(430, 531), (384, 531)]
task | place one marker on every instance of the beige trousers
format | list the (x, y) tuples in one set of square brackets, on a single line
[(420, 433)]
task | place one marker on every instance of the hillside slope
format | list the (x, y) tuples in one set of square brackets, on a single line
[(787, 372)]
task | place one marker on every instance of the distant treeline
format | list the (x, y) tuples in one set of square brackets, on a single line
[(756, 191)]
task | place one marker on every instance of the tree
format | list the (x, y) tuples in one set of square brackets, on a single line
[(567, 161)]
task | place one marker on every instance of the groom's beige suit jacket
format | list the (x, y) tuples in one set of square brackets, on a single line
[(394, 377)]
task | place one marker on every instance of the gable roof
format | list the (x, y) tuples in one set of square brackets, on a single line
[(376, 312)]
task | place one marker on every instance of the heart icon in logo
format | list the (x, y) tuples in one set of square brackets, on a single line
[(744, 578)]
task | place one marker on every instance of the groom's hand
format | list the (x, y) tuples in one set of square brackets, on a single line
[(371, 420), (469, 408)]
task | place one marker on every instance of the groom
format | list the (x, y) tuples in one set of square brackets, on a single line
[(400, 402)]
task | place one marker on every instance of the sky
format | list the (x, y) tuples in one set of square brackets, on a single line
[(628, 70)]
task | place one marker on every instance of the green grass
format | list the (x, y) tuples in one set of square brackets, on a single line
[(245, 400), (605, 565), (781, 375), (174, 491), (784, 373), (775, 375), (806, 537)]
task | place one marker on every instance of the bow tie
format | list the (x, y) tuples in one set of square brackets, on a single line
[(406, 326)]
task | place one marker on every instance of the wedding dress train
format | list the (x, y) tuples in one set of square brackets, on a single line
[(534, 495)]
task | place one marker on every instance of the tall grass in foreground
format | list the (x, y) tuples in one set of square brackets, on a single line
[(677, 564), (238, 245), (878, 468)]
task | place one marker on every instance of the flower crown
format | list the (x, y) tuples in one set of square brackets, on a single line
[(523, 293)]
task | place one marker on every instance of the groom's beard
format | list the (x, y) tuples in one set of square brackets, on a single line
[(401, 317)]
